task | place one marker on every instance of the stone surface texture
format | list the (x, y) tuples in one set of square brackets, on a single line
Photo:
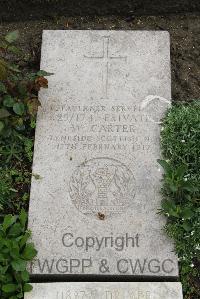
[(107, 290), (94, 208)]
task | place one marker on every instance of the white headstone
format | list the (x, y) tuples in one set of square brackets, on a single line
[(94, 208), (106, 290)]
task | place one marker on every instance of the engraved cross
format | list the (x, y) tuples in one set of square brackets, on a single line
[(107, 60)]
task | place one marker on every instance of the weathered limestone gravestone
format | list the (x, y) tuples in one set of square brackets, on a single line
[(94, 210), (102, 290)]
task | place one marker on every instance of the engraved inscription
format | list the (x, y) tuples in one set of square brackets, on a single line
[(100, 128), (107, 59), (104, 294), (102, 185)]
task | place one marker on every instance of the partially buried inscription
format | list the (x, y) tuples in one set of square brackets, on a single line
[(106, 290)]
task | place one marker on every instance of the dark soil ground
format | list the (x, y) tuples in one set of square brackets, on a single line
[(185, 42), (185, 46)]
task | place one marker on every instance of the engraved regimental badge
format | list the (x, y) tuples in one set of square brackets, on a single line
[(102, 185)]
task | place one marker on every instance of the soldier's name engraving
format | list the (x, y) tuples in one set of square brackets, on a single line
[(100, 128), (118, 243)]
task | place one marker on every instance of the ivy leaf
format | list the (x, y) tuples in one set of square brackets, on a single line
[(19, 265), (25, 275), (8, 221), (29, 252), (19, 295), (187, 226), (12, 36), (36, 176), (1, 258), (19, 108), (8, 101), (41, 82), (25, 238), (4, 113), (3, 70), (22, 89), (1, 126), (23, 218), (165, 166), (172, 186), (42, 73), (27, 287), (169, 207), (3, 88), (187, 213), (14, 50), (14, 252), (33, 105), (15, 230), (13, 68), (3, 270), (9, 288), (181, 170)]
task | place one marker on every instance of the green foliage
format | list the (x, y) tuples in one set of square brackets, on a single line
[(12, 36), (18, 108), (180, 137), (177, 185), (15, 253), (6, 189), (14, 193), (180, 141), (18, 90)]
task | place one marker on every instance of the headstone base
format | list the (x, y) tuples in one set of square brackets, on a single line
[(106, 290)]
